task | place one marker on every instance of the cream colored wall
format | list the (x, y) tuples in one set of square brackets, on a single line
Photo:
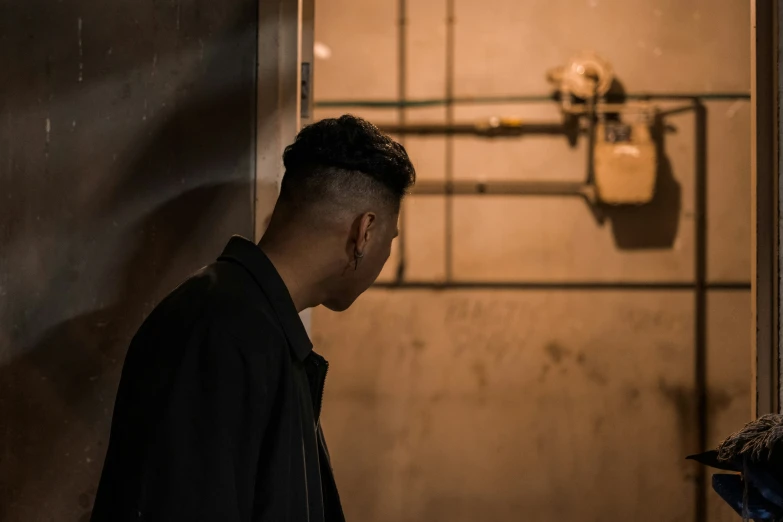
[(540, 405)]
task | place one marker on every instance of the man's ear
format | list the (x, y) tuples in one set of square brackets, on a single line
[(365, 228)]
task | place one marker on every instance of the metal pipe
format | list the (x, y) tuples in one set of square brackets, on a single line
[(503, 188), (402, 48), (724, 286), (590, 111), (700, 304), (476, 129), (448, 239), (535, 98)]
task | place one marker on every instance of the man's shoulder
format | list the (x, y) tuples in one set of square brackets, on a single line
[(226, 297), (220, 279)]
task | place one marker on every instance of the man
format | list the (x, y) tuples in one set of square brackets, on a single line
[(217, 413)]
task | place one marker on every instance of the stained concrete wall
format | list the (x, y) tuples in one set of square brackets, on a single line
[(544, 405), (126, 161)]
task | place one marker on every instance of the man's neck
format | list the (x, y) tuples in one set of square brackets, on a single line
[(300, 279)]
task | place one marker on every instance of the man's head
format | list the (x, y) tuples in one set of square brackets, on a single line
[(341, 193)]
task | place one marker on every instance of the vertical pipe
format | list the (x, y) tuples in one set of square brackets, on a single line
[(449, 163), (402, 48), (700, 305), (591, 125)]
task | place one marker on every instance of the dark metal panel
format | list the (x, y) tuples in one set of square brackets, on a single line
[(126, 161)]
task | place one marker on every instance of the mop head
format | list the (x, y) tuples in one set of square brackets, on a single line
[(756, 454), (757, 441)]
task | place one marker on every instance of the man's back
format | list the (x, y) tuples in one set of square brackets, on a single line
[(213, 418)]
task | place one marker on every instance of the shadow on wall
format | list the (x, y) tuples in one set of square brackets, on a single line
[(60, 393), (57, 395), (654, 225)]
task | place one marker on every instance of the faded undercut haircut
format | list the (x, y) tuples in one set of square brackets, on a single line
[(345, 163)]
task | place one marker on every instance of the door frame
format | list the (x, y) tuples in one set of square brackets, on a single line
[(766, 221), (283, 102)]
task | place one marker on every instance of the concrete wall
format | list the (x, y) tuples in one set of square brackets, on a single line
[(552, 404), (126, 148)]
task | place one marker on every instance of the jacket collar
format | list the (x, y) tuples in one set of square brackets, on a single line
[(253, 259)]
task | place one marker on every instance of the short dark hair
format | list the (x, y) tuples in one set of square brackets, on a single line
[(344, 158)]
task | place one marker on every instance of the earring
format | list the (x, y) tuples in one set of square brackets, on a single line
[(357, 256)]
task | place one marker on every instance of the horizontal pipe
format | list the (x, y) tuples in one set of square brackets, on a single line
[(481, 100), (565, 285), (503, 188), (476, 129), (432, 102)]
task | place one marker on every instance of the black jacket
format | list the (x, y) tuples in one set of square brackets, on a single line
[(216, 417)]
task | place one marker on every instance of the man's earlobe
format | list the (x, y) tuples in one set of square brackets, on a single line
[(357, 256)]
